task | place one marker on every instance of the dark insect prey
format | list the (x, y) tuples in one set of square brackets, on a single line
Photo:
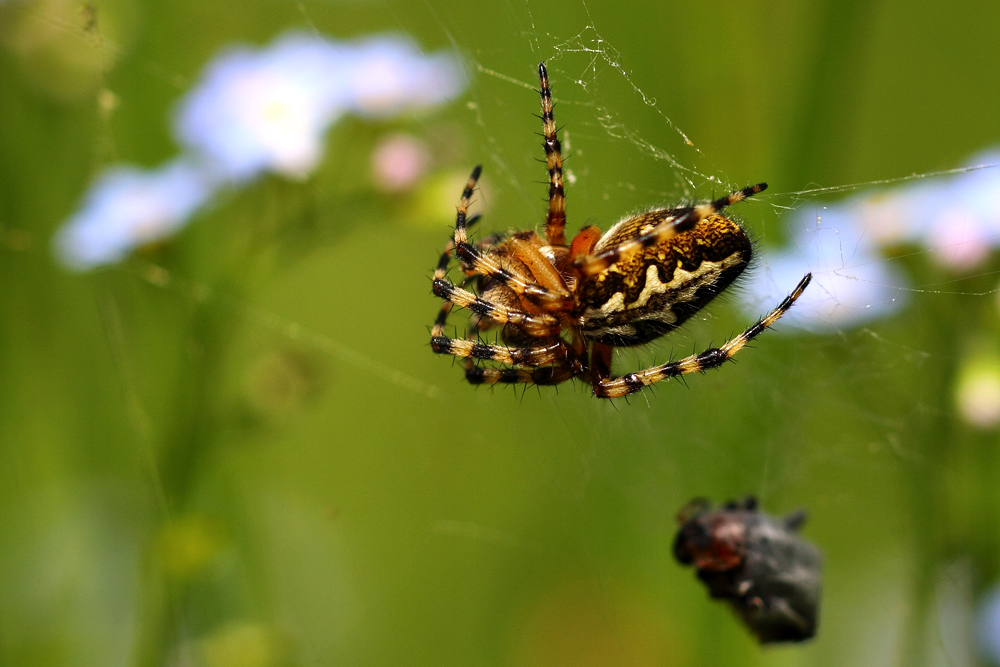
[(757, 563), (564, 307)]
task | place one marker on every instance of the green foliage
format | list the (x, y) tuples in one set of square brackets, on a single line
[(236, 448)]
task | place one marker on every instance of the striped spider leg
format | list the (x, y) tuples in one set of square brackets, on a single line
[(605, 387)]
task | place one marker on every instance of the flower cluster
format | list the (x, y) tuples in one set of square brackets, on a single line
[(955, 218), (254, 111)]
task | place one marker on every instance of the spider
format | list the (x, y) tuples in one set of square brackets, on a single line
[(564, 308)]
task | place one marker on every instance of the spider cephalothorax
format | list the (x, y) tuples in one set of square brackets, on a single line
[(564, 308)]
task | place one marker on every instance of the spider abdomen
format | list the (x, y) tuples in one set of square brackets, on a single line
[(653, 292)]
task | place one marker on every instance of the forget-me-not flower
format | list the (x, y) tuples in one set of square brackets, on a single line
[(954, 217), (851, 283), (254, 111), (129, 207), (269, 110), (266, 110), (389, 74)]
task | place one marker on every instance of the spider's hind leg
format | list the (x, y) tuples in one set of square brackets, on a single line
[(696, 363)]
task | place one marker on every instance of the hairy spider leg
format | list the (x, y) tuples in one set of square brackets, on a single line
[(444, 263), (442, 270), (600, 364), (477, 322), (542, 270), (551, 299), (696, 363), (538, 355), (484, 244), (537, 326), (686, 219), (544, 375), (463, 205), (474, 261), (555, 221)]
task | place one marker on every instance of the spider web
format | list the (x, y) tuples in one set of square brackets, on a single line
[(598, 82), (588, 65), (604, 105), (595, 73)]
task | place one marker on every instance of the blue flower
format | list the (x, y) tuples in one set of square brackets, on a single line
[(851, 283), (955, 218), (128, 207), (269, 110), (389, 74), (254, 111), (965, 225)]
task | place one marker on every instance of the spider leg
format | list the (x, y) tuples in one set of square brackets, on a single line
[(538, 355), (463, 206), (442, 270), (543, 375), (555, 221), (444, 263), (538, 326), (600, 364), (554, 299), (474, 261), (605, 387), (686, 219), (441, 320), (542, 270)]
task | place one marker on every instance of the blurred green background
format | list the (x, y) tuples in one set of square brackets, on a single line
[(236, 448)]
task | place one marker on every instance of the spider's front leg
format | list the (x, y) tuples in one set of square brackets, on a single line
[(442, 270), (552, 298), (555, 220), (537, 326), (606, 387), (545, 353)]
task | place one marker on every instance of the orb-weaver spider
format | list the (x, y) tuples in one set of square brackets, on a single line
[(639, 280)]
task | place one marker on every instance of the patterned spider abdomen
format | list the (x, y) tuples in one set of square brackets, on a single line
[(639, 299)]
